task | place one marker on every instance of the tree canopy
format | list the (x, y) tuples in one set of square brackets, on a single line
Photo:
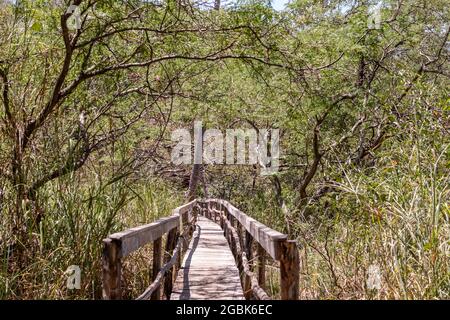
[(359, 90)]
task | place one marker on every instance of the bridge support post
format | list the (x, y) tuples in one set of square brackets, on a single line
[(111, 269), (289, 270)]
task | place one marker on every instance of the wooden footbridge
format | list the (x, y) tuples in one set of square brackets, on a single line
[(212, 251)]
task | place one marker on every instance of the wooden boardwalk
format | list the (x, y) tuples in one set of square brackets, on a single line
[(208, 270), (214, 261)]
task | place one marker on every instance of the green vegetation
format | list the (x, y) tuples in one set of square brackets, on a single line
[(86, 117)]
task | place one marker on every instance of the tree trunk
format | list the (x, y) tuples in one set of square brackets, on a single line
[(217, 5), (193, 182), (198, 166)]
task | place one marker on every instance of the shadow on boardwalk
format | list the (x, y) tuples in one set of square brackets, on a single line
[(209, 270)]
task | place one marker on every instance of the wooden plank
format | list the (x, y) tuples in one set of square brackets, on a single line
[(219, 294), (268, 238), (208, 271), (134, 238)]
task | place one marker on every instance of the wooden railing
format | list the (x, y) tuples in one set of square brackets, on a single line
[(242, 232), (178, 227)]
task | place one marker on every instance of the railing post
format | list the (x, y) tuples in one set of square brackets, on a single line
[(157, 249), (195, 212), (239, 229), (232, 244), (170, 246), (216, 208), (225, 228), (180, 256), (222, 224), (185, 227), (261, 267), (112, 268), (249, 254), (289, 270), (211, 211), (210, 207)]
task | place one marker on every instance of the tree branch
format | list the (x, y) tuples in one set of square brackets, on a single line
[(56, 96)]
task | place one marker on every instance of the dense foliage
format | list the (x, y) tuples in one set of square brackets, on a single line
[(86, 117)]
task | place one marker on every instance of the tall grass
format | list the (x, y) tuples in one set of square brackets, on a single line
[(396, 218), (77, 217), (391, 215)]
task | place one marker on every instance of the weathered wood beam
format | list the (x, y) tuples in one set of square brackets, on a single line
[(156, 266), (170, 246), (134, 238), (268, 238), (289, 271), (261, 267), (111, 269)]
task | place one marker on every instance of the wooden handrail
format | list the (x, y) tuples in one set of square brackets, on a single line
[(134, 238), (270, 241), (268, 238), (119, 245), (158, 278), (243, 263), (240, 230)]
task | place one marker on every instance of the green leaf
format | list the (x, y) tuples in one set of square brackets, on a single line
[(37, 27)]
